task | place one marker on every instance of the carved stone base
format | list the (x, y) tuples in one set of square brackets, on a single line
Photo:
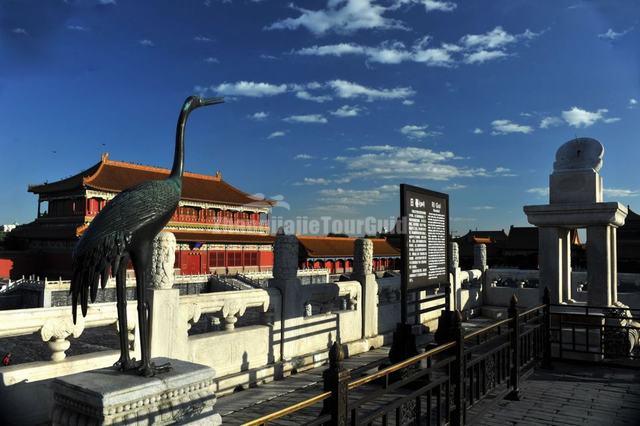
[(104, 397)]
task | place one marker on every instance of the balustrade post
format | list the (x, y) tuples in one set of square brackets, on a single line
[(230, 322), (546, 354), (514, 376), (336, 379), (458, 416)]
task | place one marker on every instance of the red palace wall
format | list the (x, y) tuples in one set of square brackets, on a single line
[(6, 265), (193, 262)]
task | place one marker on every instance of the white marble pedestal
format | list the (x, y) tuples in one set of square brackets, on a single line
[(184, 395)]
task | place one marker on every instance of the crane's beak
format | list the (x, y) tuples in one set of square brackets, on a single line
[(211, 101)]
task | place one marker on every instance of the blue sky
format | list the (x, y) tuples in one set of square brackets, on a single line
[(330, 104)]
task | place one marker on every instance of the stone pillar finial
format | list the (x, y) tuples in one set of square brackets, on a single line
[(455, 256), (363, 257), (480, 256), (163, 260), (285, 256)]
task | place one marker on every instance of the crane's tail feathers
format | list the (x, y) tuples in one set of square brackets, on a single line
[(91, 263)]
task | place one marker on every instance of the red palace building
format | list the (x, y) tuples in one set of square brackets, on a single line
[(218, 228), (336, 254)]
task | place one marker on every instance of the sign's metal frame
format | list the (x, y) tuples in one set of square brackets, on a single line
[(404, 288)]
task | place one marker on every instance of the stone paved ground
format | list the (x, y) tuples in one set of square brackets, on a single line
[(570, 394), (255, 402), (252, 403)]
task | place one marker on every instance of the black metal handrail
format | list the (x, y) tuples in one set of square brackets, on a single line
[(457, 374), (602, 333)]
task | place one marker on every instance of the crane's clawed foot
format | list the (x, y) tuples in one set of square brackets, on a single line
[(126, 364), (152, 369)]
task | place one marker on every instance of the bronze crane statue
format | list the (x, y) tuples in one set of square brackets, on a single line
[(124, 230)]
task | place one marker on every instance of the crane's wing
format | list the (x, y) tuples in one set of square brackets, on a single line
[(103, 244)]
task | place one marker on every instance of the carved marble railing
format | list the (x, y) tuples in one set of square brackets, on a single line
[(349, 291), (229, 304), (59, 285), (301, 273), (55, 325)]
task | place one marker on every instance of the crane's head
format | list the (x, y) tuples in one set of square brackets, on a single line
[(194, 102)]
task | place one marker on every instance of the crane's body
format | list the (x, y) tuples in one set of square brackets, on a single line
[(124, 230)]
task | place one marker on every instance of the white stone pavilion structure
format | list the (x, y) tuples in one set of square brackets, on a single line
[(576, 201)]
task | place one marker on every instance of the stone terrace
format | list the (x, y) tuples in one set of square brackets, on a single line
[(570, 394)]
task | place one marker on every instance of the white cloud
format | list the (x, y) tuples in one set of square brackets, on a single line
[(480, 48), (482, 56), (632, 103), (309, 118), (549, 121), (307, 91), (577, 117), (332, 50), (20, 31), (395, 162), (478, 131), (463, 219), (540, 192), (408, 102), (303, 94), (277, 134), (496, 38), (347, 89), (503, 127), (211, 60), (413, 131), (203, 39), (268, 57), (340, 16), (612, 35), (612, 192), (250, 89), (472, 49), (357, 197), (503, 171), (146, 43), (259, 116), (483, 208), (333, 209), (313, 181), (77, 28), (388, 52), (303, 157), (430, 5), (454, 187), (106, 2), (346, 111), (442, 6)]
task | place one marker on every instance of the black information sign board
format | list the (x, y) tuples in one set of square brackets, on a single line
[(425, 221)]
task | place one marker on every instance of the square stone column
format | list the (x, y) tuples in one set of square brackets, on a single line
[(599, 265), (554, 251), (565, 259), (613, 248), (363, 272)]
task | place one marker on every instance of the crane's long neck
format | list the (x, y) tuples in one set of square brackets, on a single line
[(178, 157)]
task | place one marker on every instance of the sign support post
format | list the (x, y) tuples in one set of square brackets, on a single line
[(425, 257)]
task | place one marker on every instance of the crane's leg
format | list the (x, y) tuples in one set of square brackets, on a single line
[(125, 362), (141, 264)]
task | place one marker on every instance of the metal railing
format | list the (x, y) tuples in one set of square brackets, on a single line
[(595, 333), (434, 387)]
